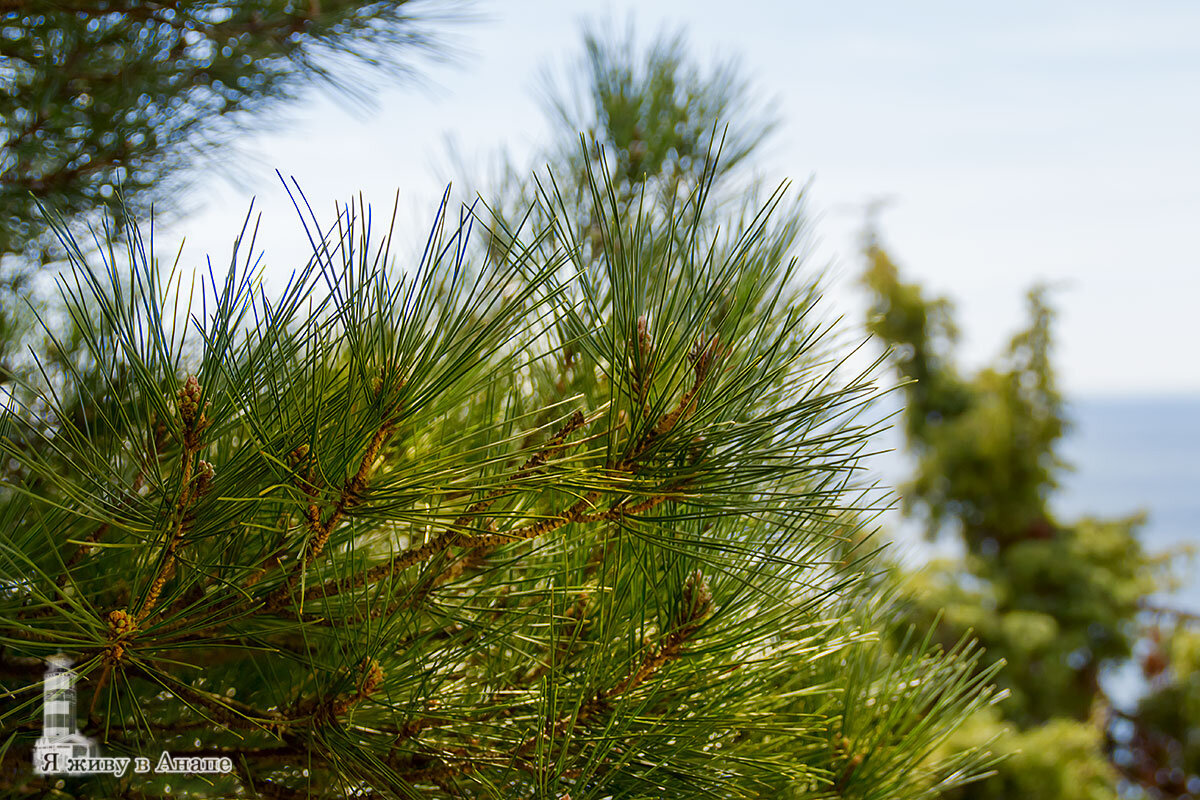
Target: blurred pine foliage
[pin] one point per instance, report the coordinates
(1060, 601)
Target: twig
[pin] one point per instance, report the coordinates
(1167, 611)
(458, 528)
(320, 530)
(195, 421)
(459, 533)
(697, 603)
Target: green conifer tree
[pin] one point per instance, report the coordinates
(357, 540)
(101, 95)
(569, 514)
(1058, 601)
(98, 96)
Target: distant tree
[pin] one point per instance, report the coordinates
(1058, 601)
(652, 121)
(101, 94)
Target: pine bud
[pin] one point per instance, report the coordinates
(204, 477)
(298, 457)
(159, 433)
(387, 384)
(704, 353)
(697, 597)
(120, 623)
(369, 676)
(189, 400)
(641, 376)
(387, 378)
(372, 676)
(644, 340)
(190, 412)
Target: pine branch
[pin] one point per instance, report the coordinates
(195, 422)
(320, 530)
(458, 530)
(697, 604)
(702, 358)
(546, 633)
(226, 711)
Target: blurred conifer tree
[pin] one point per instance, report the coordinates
(1058, 600)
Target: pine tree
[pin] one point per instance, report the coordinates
(569, 512)
(101, 96)
(1058, 601)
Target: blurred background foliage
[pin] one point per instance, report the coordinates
(1063, 603)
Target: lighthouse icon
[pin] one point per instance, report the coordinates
(60, 740)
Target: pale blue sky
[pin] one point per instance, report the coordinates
(1019, 141)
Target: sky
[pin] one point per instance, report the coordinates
(1014, 143)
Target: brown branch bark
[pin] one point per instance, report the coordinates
(320, 530)
(458, 530)
(670, 647)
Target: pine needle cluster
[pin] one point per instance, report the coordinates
(509, 524)
(101, 96)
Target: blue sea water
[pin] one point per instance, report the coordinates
(1129, 454)
(1140, 453)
